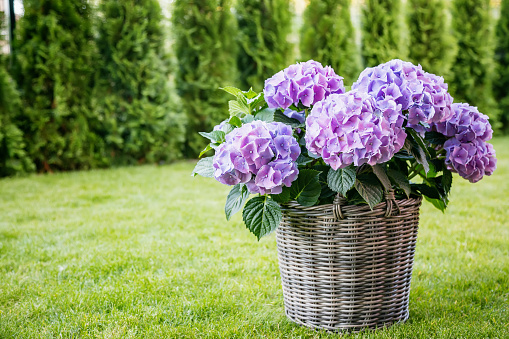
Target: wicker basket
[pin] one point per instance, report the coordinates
(347, 267)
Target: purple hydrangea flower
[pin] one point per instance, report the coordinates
(221, 126)
(261, 155)
(299, 116)
(308, 83)
(466, 124)
(423, 95)
(471, 160)
(354, 128)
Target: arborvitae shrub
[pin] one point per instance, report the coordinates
(429, 37)
(205, 47)
(382, 38)
(472, 69)
(501, 83)
(55, 65)
(328, 36)
(142, 121)
(264, 49)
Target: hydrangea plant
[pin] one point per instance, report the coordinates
(307, 139)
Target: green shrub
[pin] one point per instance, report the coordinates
(264, 49)
(472, 70)
(13, 156)
(206, 52)
(429, 35)
(501, 83)
(141, 119)
(327, 36)
(56, 59)
(382, 38)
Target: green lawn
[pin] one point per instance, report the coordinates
(146, 252)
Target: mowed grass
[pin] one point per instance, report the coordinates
(146, 252)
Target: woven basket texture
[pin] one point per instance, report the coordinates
(346, 268)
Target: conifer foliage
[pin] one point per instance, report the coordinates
(430, 40)
(263, 30)
(141, 120)
(501, 84)
(56, 57)
(206, 52)
(381, 32)
(328, 36)
(472, 70)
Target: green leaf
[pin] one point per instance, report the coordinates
(247, 119)
(400, 180)
(235, 121)
(413, 148)
(235, 200)
(237, 109)
(204, 168)
(208, 148)
(282, 197)
(342, 179)
(250, 94)
(280, 117)
(369, 188)
(435, 138)
(306, 189)
(214, 136)
(232, 90)
(418, 139)
(303, 160)
(439, 204)
(428, 191)
(382, 176)
(261, 216)
(446, 180)
(256, 102)
(266, 115)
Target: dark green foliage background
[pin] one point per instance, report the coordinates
(206, 52)
(501, 83)
(381, 32)
(328, 36)
(431, 42)
(472, 70)
(264, 49)
(56, 60)
(141, 118)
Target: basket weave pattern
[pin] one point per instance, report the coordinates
(347, 267)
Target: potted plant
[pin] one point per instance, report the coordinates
(340, 175)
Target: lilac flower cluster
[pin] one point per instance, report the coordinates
(308, 83)
(468, 152)
(354, 128)
(422, 94)
(261, 155)
(471, 160)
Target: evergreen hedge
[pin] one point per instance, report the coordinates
(472, 69)
(382, 38)
(430, 39)
(264, 49)
(501, 83)
(328, 36)
(56, 58)
(206, 52)
(141, 120)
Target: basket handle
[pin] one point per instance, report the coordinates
(336, 207)
(390, 200)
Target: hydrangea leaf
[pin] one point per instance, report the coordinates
(261, 216)
(341, 180)
(235, 121)
(306, 189)
(235, 200)
(438, 203)
(204, 168)
(413, 148)
(279, 116)
(214, 136)
(369, 188)
(400, 180)
(282, 197)
(266, 115)
(205, 150)
(435, 138)
(382, 176)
